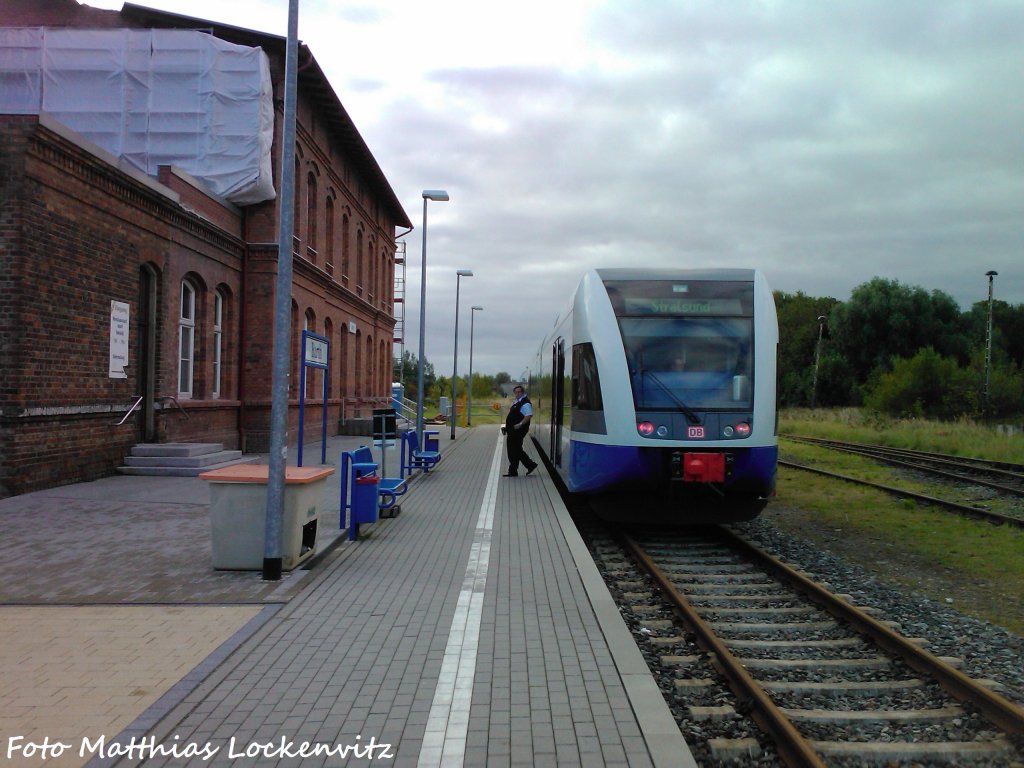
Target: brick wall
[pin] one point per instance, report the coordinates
(76, 232)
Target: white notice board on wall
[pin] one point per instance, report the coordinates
(119, 312)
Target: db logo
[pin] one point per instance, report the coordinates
(695, 433)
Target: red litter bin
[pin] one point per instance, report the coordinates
(364, 500)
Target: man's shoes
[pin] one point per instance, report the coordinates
(531, 469)
(512, 474)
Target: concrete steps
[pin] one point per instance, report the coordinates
(179, 459)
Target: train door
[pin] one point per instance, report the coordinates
(557, 400)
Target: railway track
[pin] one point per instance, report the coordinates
(957, 468)
(888, 456)
(827, 683)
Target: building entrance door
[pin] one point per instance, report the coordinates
(149, 282)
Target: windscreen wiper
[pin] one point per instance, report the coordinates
(683, 407)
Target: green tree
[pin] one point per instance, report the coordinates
(408, 374)
(1007, 329)
(798, 339)
(884, 320)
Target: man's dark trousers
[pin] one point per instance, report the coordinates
(514, 445)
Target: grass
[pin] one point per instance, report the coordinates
(965, 437)
(483, 412)
(975, 566)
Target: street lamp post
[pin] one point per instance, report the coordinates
(438, 195)
(988, 339)
(469, 383)
(817, 359)
(455, 358)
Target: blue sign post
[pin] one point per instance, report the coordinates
(315, 354)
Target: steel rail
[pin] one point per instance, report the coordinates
(1000, 711)
(886, 455)
(793, 748)
(982, 514)
(1007, 469)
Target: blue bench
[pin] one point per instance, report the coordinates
(360, 462)
(413, 457)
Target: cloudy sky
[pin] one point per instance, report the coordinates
(823, 143)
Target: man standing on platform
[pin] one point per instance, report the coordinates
(517, 424)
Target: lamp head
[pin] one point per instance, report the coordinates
(476, 308)
(465, 273)
(991, 273)
(438, 195)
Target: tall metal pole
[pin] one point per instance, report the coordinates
(455, 358)
(282, 310)
(455, 354)
(469, 382)
(817, 359)
(988, 340)
(441, 196)
(423, 320)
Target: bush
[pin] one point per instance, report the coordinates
(925, 385)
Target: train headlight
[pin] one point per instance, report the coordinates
(662, 431)
(728, 432)
(743, 429)
(645, 428)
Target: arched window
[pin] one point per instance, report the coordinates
(329, 235)
(368, 373)
(359, 262)
(343, 366)
(332, 356)
(297, 212)
(218, 342)
(309, 324)
(311, 218)
(296, 339)
(186, 338)
(372, 272)
(344, 246)
(359, 364)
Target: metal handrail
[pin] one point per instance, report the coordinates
(408, 409)
(131, 410)
(174, 400)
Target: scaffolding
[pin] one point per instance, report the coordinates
(398, 347)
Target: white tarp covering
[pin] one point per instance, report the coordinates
(152, 96)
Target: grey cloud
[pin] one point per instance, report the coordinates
(822, 143)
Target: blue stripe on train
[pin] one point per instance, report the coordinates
(599, 467)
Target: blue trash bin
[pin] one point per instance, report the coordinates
(430, 440)
(364, 499)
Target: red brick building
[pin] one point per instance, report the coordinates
(87, 242)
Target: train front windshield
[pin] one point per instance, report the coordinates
(689, 345)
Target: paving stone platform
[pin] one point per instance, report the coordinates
(470, 630)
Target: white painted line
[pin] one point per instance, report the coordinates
(444, 742)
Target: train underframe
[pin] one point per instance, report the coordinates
(689, 485)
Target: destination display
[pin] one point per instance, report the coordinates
(693, 298)
(642, 305)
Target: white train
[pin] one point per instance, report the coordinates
(657, 389)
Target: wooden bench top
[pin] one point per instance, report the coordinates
(258, 473)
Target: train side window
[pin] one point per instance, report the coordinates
(586, 386)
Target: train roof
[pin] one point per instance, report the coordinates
(626, 273)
